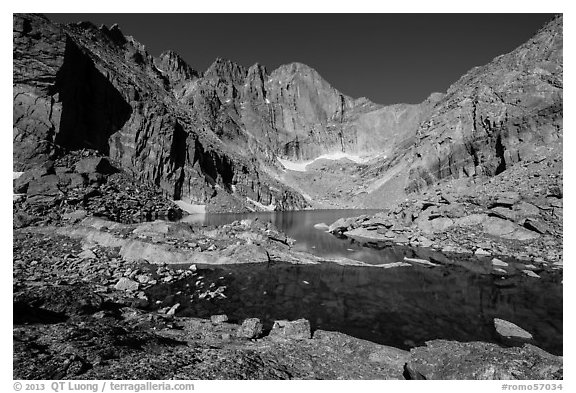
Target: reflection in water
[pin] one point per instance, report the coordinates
(401, 307)
(299, 225)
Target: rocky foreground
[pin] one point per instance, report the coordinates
(82, 310)
(86, 263)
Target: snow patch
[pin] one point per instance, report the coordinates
(267, 101)
(16, 175)
(300, 166)
(268, 208)
(190, 207)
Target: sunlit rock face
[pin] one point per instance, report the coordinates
(215, 137)
(494, 115)
(79, 86)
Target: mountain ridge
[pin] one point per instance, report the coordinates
(218, 135)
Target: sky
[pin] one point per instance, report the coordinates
(389, 58)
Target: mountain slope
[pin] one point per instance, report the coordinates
(495, 115)
(220, 137)
(81, 86)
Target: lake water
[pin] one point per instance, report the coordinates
(299, 225)
(402, 307)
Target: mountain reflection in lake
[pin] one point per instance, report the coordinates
(299, 225)
(401, 307)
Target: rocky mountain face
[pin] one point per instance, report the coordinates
(79, 86)
(495, 115)
(216, 137)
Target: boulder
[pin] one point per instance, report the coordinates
(219, 319)
(322, 226)
(418, 261)
(45, 185)
(126, 284)
(498, 262)
(293, 330)
(439, 224)
(95, 165)
(472, 219)
(536, 225)
(481, 253)
(365, 234)
(250, 328)
(87, 254)
(342, 225)
(507, 199)
(75, 216)
(393, 265)
(504, 213)
(525, 209)
(510, 333)
(449, 360)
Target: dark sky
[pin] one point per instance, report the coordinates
(389, 58)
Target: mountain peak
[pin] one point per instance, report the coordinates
(172, 63)
(225, 69)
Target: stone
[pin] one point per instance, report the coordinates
(481, 252)
(45, 185)
(498, 262)
(94, 165)
(498, 227)
(218, 319)
(511, 333)
(472, 219)
(393, 265)
(321, 226)
(530, 273)
(143, 278)
(173, 309)
(87, 254)
(126, 284)
(424, 242)
(525, 209)
(342, 225)
(507, 199)
(504, 213)
(419, 261)
(536, 226)
(250, 328)
(293, 330)
(435, 225)
(75, 216)
(449, 360)
(363, 234)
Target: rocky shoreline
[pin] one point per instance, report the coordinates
(81, 311)
(503, 219)
(86, 261)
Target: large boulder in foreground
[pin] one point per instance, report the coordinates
(293, 330)
(442, 359)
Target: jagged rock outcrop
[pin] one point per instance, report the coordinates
(215, 137)
(79, 86)
(495, 115)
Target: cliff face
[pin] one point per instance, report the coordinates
(82, 86)
(495, 115)
(215, 137)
